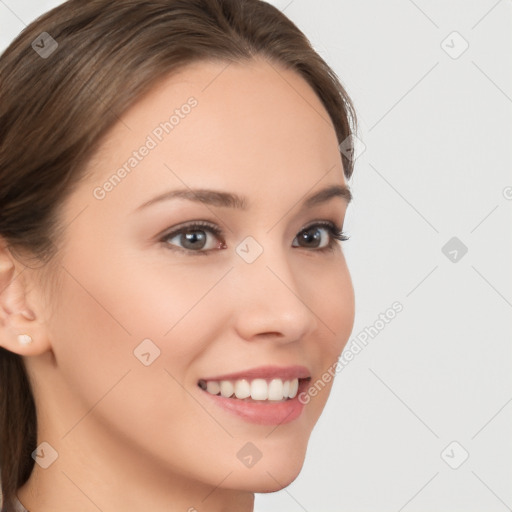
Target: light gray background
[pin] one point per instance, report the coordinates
(438, 132)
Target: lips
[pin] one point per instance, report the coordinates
(265, 395)
(266, 372)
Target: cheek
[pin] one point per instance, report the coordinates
(342, 310)
(131, 300)
(332, 301)
(91, 342)
(101, 317)
(106, 311)
(335, 308)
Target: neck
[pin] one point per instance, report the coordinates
(96, 468)
(91, 474)
(67, 488)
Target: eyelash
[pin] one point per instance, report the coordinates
(335, 232)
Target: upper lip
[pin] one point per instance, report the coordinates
(266, 372)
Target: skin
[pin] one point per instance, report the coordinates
(134, 437)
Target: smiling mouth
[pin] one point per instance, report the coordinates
(260, 390)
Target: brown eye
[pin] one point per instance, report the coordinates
(312, 237)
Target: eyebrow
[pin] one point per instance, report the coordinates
(231, 200)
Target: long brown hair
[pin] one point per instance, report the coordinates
(65, 80)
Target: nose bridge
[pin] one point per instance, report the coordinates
(270, 299)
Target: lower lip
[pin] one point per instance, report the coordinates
(262, 412)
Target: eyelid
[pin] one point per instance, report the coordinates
(175, 230)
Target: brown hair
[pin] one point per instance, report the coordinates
(55, 108)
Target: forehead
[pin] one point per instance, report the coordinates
(250, 125)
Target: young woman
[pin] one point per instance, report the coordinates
(172, 285)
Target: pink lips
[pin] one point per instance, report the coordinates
(264, 412)
(267, 372)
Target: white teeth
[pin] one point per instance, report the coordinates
(275, 389)
(257, 389)
(226, 388)
(242, 389)
(213, 387)
(286, 388)
(294, 387)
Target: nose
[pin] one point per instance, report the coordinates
(271, 300)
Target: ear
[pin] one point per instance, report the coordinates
(21, 331)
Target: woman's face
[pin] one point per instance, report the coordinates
(144, 317)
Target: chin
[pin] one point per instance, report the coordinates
(271, 475)
(274, 480)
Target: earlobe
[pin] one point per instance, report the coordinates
(20, 330)
(25, 339)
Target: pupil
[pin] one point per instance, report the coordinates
(194, 236)
(307, 236)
